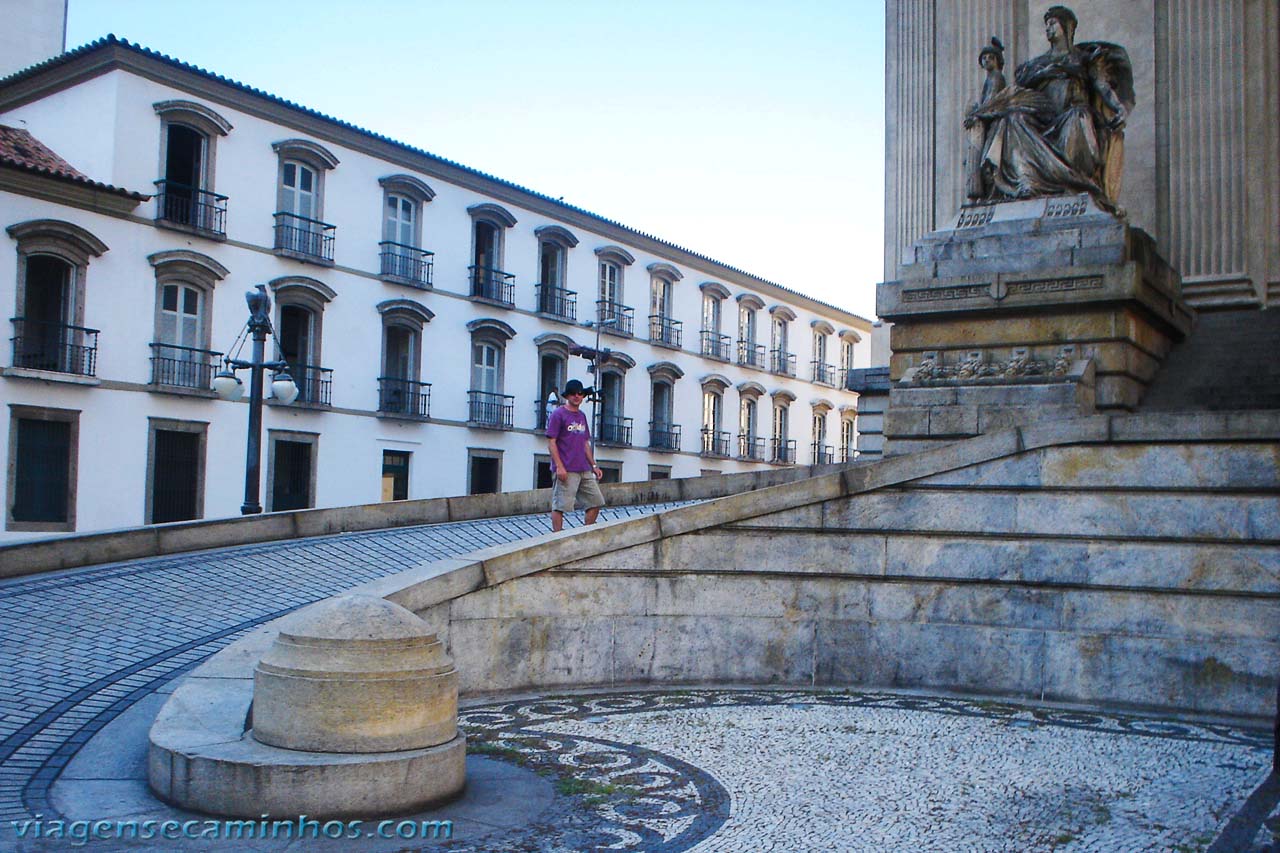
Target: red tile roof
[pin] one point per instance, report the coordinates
(20, 150)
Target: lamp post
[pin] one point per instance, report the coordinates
(596, 357)
(229, 387)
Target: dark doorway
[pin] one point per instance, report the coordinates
(175, 476)
(46, 342)
(183, 168)
(542, 474)
(291, 480)
(295, 337)
(485, 476)
(42, 466)
(395, 475)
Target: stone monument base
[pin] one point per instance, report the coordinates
(1022, 311)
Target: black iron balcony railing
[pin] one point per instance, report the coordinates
(407, 264)
(487, 409)
(57, 347)
(714, 442)
(300, 237)
(750, 447)
(493, 285)
(848, 454)
(556, 301)
(315, 384)
(666, 331)
(404, 397)
(782, 450)
(616, 430)
(783, 362)
(751, 355)
(624, 317)
(715, 345)
(191, 206)
(183, 367)
(664, 436)
(823, 454)
(823, 372)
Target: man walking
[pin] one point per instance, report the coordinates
(573, 461)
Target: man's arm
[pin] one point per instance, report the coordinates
(590, 448)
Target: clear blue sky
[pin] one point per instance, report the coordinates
(749, 131)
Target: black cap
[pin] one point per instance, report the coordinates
(573, 386)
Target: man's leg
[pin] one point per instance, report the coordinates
(557, 521)
(592, 514)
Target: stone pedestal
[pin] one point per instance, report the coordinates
(1022, 311)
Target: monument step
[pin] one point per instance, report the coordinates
(1227, 362)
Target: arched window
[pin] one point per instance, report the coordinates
(48, 326)
(400, 391)
(300, 233)
(189, 132)
(300, 303)
(715, 440)
(489, 282)
(714, 343)
(664, 432)
(750, 353)
(848, 433)
(553, 297)
(781, 359)
(822, 371)
(403, 259)
(613, 426)
(782, 447)
(664, 329)
(750, 442)
(610, 307)
(553, 366)
(821, 453)
(180, 354)
(487, 405)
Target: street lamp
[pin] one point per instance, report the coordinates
(597, 357)
(229, 387)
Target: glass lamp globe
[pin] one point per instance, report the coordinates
(228, 386)
(283, 388)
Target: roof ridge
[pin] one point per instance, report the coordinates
(112, 39)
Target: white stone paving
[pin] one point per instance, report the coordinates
(884, 779)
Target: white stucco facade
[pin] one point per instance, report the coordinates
(105, 110)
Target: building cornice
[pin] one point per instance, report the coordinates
(110, 54)
(85, 195)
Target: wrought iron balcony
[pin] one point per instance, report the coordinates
(615, 430)
(306, 239)
(823, 454)
(406, 264)
(782, 362)
(57, 347)
(493, 285)
(782, 451)
(315, 384)
(750, 447)
(751, 355)
(556, 301)
(183, 367)
(848, 454)
(404, 397)
(715, 345)
(664, 436)
(487, 409)
(714, 442)
(196, 208)
(823, 372)
(624, 316)
(665, 331)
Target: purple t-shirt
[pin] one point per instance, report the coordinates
(571, 433)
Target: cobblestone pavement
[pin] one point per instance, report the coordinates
(756, 770)
(79, 647)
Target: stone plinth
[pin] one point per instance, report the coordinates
(355, 674)
(1014, 296)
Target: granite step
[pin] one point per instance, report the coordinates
(1227, 362)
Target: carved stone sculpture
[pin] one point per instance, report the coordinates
(1060, 127)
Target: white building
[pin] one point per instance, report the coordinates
(427, 310)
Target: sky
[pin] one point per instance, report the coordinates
(748, 131)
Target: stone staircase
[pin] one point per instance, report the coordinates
(1230, 361)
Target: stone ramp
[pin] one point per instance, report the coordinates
(1229, 362)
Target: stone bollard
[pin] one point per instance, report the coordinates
(354, 674)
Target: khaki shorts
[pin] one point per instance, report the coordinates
(581, 485)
